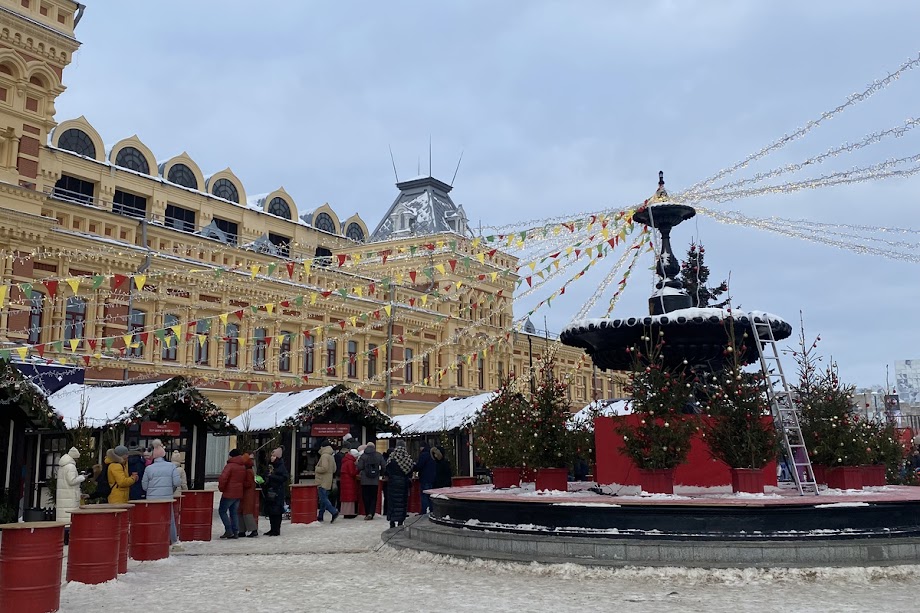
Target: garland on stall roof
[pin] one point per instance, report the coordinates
(342, 398)
(161, 406)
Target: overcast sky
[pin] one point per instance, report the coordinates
(559, 107)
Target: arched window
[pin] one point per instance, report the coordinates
(260, 349)
(284, 355)
(410, 367)
(75, 318)
(202, 332)
(170, 340)
(232, 346)
(355, 233)
(77, 141)
(279, 207)
(308, 356)
(36, 309)
(132, 159)
(224, 188)
(324, 222)
(180, 174)
(353, 359)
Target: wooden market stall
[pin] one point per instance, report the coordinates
(300, 421)
(25, 416)
(134, 414)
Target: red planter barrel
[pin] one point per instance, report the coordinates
(659, 481)
(462, 481)
(820, 471)
(748, 480)
(553, 479)
(503, 478)
(31, 556)
(304, 503)
(874, 475)
(150, 530)
(124, 531)
(92, 556)
(196, 515)
(415, 497)
(845, 478)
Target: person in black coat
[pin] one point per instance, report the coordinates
(442, 469)
(399, 471)
(137, 464)
(275, 490)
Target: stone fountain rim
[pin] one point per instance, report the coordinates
(679, 317)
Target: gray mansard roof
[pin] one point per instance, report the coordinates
(422, 207)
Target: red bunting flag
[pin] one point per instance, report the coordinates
(453, 265)
(285, 303)
(412, 302)
(412, 275)
(370, 288)
(117, 281)
(384, 254)
(92, 343)
(325, 294)
(239, 314)
(306, 335)
(145, 336)
(41, 350)
(341, 257)
(86, 360)
(530, 281)
(52, 287)
(290, 269)
(492, 253)
(342, 323)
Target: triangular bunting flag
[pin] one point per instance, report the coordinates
(73, 344)
(139, 281)
(74, 283)
(51, 286)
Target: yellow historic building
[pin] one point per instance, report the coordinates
(135, 266)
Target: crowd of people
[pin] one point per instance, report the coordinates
(345, 470)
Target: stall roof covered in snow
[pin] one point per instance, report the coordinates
(606, 408)
(403, 421)
(449, 415)
(271, 412)
(103, 404)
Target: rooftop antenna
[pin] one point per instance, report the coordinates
(419, 167)
(456, 170)
(393, 161)
(429, 155)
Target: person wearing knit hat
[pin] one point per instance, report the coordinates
(160, 481)
(67, 496)
(370, 467)
(119, 479)
(275, 490)
(176, 459)
(231, 484)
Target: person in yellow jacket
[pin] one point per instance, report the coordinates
(117, 469)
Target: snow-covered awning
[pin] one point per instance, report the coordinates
(274, 410)
(451, 414)
(102, 404)
(403, 421)
(604, 408)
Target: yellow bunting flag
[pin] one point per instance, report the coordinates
(139, 281)
(605, 233)
(223, 318)
(476, 242)
(177, 330)
(280, 339)
(270, 307)
(74, 283)
(440, 268)
(23, 352)
(532, 265)
(127, 339)
(481, 257)
(242, 341)
(313, 298)
(459, 283)
(3, 290)
(255, 270)
(202, 339)
(73, 344)
(424, 299)
(494, 275)
(399, 278)
(388, 309)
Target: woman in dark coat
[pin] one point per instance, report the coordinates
(399, 470)
(442, 470)
(276, 486)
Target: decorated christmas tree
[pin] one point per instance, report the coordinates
(661, 439)
(498, 428)
(549, 410)
(736, 403)
(694, 274)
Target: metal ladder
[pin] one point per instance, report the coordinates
(785, 413)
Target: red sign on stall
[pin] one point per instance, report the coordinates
(329, 429)
(152, 428)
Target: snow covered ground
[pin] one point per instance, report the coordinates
(346, 565)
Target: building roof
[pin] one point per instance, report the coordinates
(604, 408)
(422, 207)
(271, 412)
(103, 404)
(451, 414)
(403, 421)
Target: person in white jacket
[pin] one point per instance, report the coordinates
(67, 496)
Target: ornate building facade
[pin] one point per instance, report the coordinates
(135, 268)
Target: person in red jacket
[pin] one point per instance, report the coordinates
(348, 485)
(231, 486)
(249, 505)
